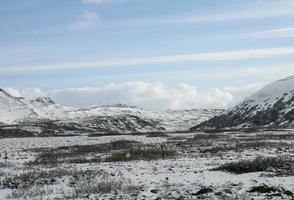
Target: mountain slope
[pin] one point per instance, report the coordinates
(272, 106)
(160, 120)
(169, 120)
(14, 109)
(46, 108)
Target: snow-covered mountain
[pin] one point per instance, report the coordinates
(272, 106)
(139, 119)
(14, 109)
(44, 115)
(169, 120)
(46, 108)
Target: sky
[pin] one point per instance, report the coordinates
(157, 54)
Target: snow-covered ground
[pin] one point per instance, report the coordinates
(186, 175)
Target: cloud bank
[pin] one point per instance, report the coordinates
(147, 95)
(274, 33)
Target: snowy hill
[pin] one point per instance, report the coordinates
(169, 120)
(119, 118)
(46, 108)
(272, 106)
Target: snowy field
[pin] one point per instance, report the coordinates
(231, 165)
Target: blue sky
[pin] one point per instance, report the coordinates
(206, 44)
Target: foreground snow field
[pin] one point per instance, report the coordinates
(164, 166)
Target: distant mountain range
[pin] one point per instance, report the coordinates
(43, 116)
(271, 107)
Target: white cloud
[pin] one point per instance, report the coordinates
(270, 9)
(274, 33)
(215, 56)
(147, 95)
(89, 20)
(230, 16)
(32, 93)
(244, 88)
(269, 72)
(241, 92)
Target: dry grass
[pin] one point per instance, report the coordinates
(83, 190)
(121, 150)
(157, 134)
(280, 165)
(274, 191)
(241, 146)
(32, 193)
(151, 153)
(40, 178)
(78, 153)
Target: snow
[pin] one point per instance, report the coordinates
(15, 147)
(177, 177)
(13, 109)
(170, 120)
(266, 97)
(274, 91)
